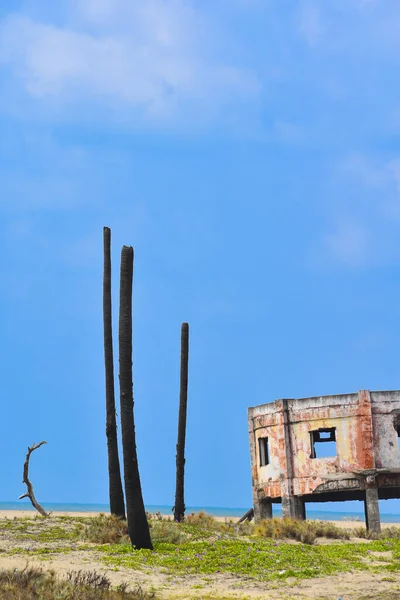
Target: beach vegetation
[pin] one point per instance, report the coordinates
(388, 532)
(106, 530)
(260, 559)
(306, 532)
(206, 549)
(32, 583)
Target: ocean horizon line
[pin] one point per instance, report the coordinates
(216, 511)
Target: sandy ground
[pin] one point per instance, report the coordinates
(20, 514)
(347, 586)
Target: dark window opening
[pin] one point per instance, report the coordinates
(323, 443)
(263, 451)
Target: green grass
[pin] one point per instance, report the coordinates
(39, 529)
(202, 546)
(261, 559)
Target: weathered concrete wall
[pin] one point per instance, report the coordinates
(365, 439)
(385, 412)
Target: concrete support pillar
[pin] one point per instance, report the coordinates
(300, 508)
(293, 507)
(286, 507)
(262, 510)
(371, 505)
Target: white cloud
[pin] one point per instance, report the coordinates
(394, 169)
(380, 179)
(365, 218)
(54, 179)
(310, 24)
(289, 133)
(365, 170)
(348, 244)
(351, 27)
(152, 58)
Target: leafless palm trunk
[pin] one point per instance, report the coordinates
(116, 494)
(179, 508)
(138, 526)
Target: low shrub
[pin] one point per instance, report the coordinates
(168, 532)
(33, 584)
(360, 532)
(156, 516)
(302, 531)
(329, 530)
(203, 520)
(391, 532)
(106, 529)
(388, 532)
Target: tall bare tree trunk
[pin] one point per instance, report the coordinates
(138, 527)
(179, 508)
(116, 494)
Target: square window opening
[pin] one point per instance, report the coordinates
(323, 443)
(263, 451)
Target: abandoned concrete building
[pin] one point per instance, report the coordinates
(290, 466)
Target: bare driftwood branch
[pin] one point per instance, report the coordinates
(247, 516)
(30, 494)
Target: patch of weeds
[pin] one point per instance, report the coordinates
(32, 583)
(203, 521)
(50, 529)
(392, 595)
(106, 529)
(39, 551)
(196, 526)
(57, 533)
(388, 532)
(168, 532)
(305, 532)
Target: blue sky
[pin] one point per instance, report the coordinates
(249, 151)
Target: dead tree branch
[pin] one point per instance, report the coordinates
(25, 479)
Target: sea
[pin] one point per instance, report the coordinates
(215, 511)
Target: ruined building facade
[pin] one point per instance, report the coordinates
(289, 464)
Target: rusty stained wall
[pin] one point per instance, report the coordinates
(385, 407)
(365, 439)
(267, 421)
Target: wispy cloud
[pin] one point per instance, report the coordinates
(354, 26)
(364, 222)
(54, 178)
(348, 244)
(394, 168)
(365, 170)
(310, 23)
(378, 179)
(154, 59)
